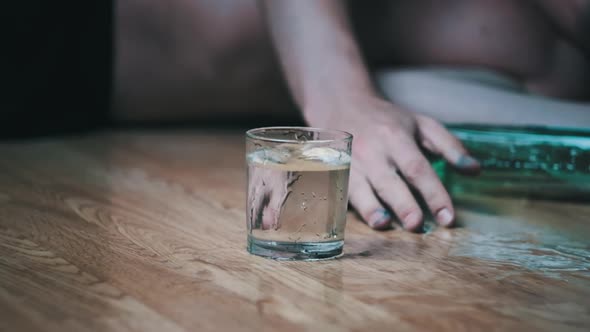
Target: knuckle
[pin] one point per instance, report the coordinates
(414, 169)
(385, 181)
(364, 211)
(359, 199)
(381, 188)
(405, 211)
(457, 144)
(384, 131)
(428, 124)
(397, 134)
(380, 128)
(450, 138)
(426, 121)
(437, 199)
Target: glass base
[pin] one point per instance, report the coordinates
(295, 251)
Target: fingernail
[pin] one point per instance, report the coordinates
(412, 220)
(379, 219)
(466, 161)
(444, 217)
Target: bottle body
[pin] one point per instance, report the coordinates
(547, 163)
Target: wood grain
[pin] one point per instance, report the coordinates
(145, 231)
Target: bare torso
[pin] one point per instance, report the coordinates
(512, 37)
(185, 57)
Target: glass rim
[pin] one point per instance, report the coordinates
(252, 134)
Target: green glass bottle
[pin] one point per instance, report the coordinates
(537, 162)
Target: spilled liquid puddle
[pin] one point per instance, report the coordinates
(551, 255)
(552, 238)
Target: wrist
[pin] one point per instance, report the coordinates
(330, 104)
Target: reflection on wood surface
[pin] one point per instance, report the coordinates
(145, 231)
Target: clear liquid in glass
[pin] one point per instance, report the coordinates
(297, 202)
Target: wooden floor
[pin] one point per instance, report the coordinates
(145, 231)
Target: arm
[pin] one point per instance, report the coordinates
(317, 50)
(330, 82)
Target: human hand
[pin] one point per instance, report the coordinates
(388, 161)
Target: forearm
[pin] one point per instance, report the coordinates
(317, 50)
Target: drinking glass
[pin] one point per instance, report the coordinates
(297, 192)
